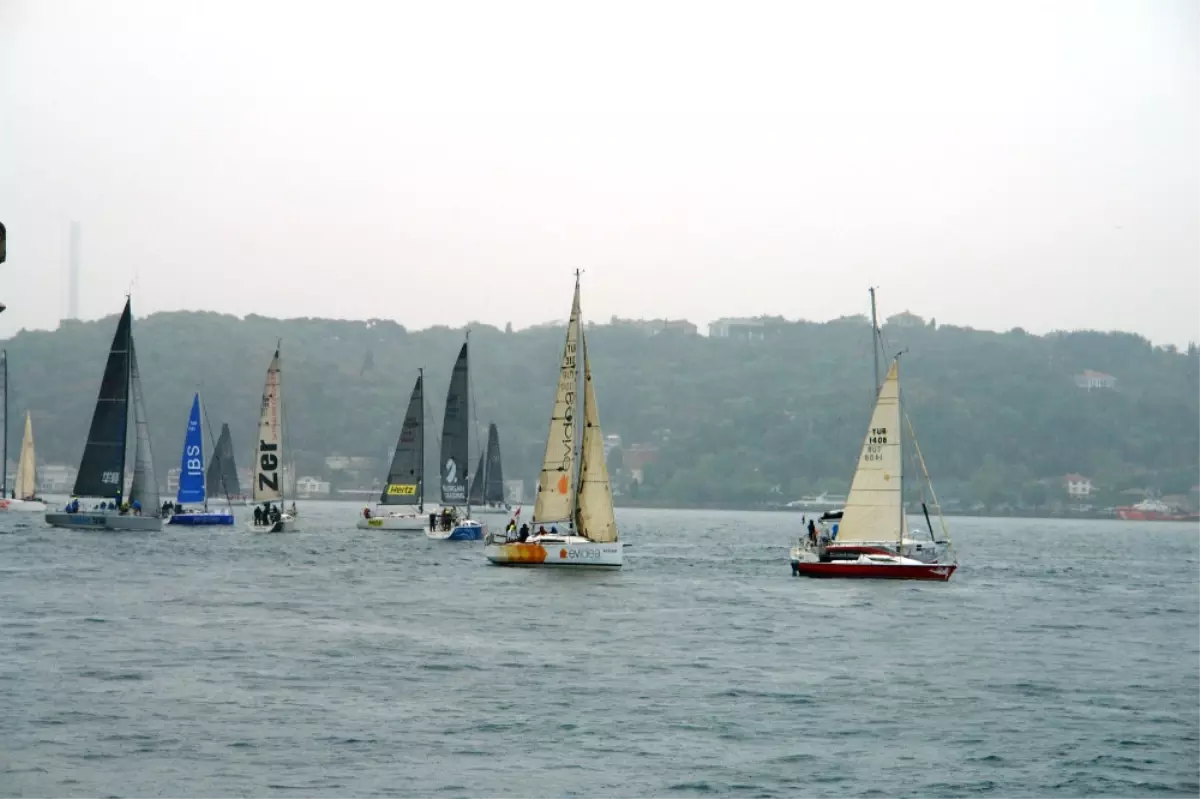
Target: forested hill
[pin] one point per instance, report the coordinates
(732, 420)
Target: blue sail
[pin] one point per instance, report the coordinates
(191, 468)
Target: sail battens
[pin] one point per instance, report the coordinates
(455, 442)
(555, 493)
(405, 477)
(874, 506)
(191, 466)
(102, 467)
(268, 450)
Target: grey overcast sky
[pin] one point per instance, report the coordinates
(991, 164)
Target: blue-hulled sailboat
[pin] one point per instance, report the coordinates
(192, 483)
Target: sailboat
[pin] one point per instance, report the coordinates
(455, 429)
(222, 469)
(101, 476)
(871, 537)
(192, 479)
(487, 487)
(582, 504)
(23, 494)
(268, 457)
(404, 490)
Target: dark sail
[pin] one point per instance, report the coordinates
(102, 470)
(493, 488)
(405, 477)
(477, 483)
(222, 479)
(453, 463)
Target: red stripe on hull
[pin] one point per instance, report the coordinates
(882, 571)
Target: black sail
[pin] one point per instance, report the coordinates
(453, 463)
(406, 475)
(477, 483)
(493, 488)
(222, 479)
(102, 470)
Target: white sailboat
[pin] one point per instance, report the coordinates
(871, 538)
(268, 459)
(402, 503)
(573, 521)
(102, 469)
(23, 497)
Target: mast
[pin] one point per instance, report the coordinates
(900, 442)
(577, 466)
(467, 389)
(128, 409)
(4, 432)
(874, 341)
(421, 444)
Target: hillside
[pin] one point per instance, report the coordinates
(723, 420)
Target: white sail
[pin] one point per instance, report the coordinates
(554, 490)
(144, 488)
(269, 448)
(26, 487)
(873, 510)
(595, 509)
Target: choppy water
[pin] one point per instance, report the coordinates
(1062, 660)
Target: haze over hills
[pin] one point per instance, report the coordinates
(765, 415)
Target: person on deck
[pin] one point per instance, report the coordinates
(367, 512)
(258, 515)
(812, 531)
(523, 536)
(137, 507)
(433, 522)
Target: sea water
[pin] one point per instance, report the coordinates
(1062, 659)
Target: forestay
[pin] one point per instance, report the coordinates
(554, 491)
(268, 451)
(873, 510)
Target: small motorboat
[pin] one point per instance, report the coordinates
(864, 562)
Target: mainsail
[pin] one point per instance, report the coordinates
(554, 494)
(222, 470)
(493, 486)
(454, 435)
(144, 489)
(874, 506)
(594, 511)
(477, 481)
(102, 469)
(405, 478)
(191, 467)
(269, 449)
(4, 426)
(26, 487)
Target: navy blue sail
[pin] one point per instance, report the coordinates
(454, 435)
(102, 469)
(191, 467)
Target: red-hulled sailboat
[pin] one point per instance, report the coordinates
(872, 539)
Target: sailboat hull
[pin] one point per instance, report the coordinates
(22, 506)
(401, 522)
(468, 530)
(96, 520)
(286, 524)
(923, 571)
(201, 519)
(569, 552)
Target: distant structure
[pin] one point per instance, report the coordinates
(73, 273)
(1095, 380)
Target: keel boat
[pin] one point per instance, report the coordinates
(22, 496)
(268, 487)
(192, 480)
(455, 445)
(582, 506)
(487, 485)
(401, 506)
(97, 502)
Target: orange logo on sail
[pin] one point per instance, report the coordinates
(562, 553)
(563, 484)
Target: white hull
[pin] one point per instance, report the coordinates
(100, 520)
(286, 524)
(22, 506)
(925, 551)
(404, 522)
(463, 530)
(555, 550)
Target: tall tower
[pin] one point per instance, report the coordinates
(73, 274)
